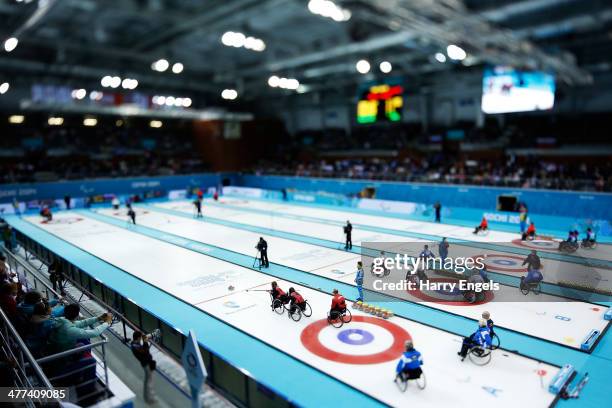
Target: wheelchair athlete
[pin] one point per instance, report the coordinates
(590, 239)
(571, 243)
(338, 305)
(480, 338)
(278, 293)
(409, 365)
(296, 300)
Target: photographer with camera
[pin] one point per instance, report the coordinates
(348, 230)
(262, 247)
(141, 349)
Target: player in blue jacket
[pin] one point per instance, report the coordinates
(480, 338)
(359, 281)
(409, 364)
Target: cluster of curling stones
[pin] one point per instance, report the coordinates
(373, 310)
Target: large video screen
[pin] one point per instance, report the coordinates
(505, 89)
(380, 102)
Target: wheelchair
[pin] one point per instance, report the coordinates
(279, 307)
(525, 288)
(568, 247)
(338, 319)
(495, 342)
(482, 232)
(401, 380)
(471, 296)
(588, 244)
(479, 355)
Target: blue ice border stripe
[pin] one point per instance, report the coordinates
(514, 342)
(225, 341)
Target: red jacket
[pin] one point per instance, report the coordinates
(484, 223)
(338, 302)
(297, 298)
(531, 229)
(277, 292)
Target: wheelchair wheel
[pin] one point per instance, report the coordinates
(278, 307)
(536, 289)
(347, 317)
(296, 315)
(421, 382)
(524, 289)
(479, 356)
(307, 310)
(335, 320)
(402, 384)
(495, 342)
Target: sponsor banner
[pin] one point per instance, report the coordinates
(243, 192)
(399, 207)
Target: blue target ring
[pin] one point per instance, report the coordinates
(504, 262)
(355, 337)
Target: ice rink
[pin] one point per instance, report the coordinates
(361, 354)
(544, 316)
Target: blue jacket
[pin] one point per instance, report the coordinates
(533, 275)
(409, 360)
(359, 277)
(482, 337)
(27, 309)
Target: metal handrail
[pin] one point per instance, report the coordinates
(61, 354)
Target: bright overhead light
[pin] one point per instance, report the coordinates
(156, 124)
(455, 52)
(55, 121)
(95, 95)
(10, 44)
(4, 88)
(186, 102)
(441, 58)
(385, 67)
(362, 66)
(329, 9)
(160, 65)
(230, 94)
(274, 81)
(129, 83)
(161, 100)
(115, 82)
(90, 122)
(178, 102)
(234, 39)
(293, 84)
(106, 81)
(79, 94)
(228, 38)
(283, 83)
(239, 40)
(170, 100)
(177, 68)
(16, 119)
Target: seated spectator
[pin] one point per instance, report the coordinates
(5, 274)
(8, 300)
(39, 329)
(67, 330)
(33, 297)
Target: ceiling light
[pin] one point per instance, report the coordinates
(55, 121)
(170, 100)
(177, 68)
(95, 95)
(156, 124)
(228, 38)
(16, 119)
(106, 81)
(79, 94)
(385, 67)
(10, 44)
(178, 102)
(363, 66)
(160, 65)
(4, 88)
(115, 82)
(273, 81)
(129, 83)
(440, 57)
(90, 122)
(455, 52)
(230, 94)
(161, 100)
(186, 102)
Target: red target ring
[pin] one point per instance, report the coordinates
(63, 220)
(310, 340)
(543, 244)
(460, 302)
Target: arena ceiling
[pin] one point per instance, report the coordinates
(80, 41)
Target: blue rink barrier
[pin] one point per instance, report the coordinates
(561, 379)
(590, 340)
(608, 314)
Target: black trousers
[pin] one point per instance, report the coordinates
(264, 259)
(349, 242)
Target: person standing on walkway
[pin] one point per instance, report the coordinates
(359, 281)
(348, 231)
(141, 349)
(438, 210)
(443, 249)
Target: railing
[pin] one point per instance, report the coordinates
(93, 385)
(26, 372)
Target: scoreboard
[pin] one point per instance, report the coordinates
(380, 103)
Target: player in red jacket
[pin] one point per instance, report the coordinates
(530, 233)
(484, 225)
(296, 301)
(278, 293)
(338, 305)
